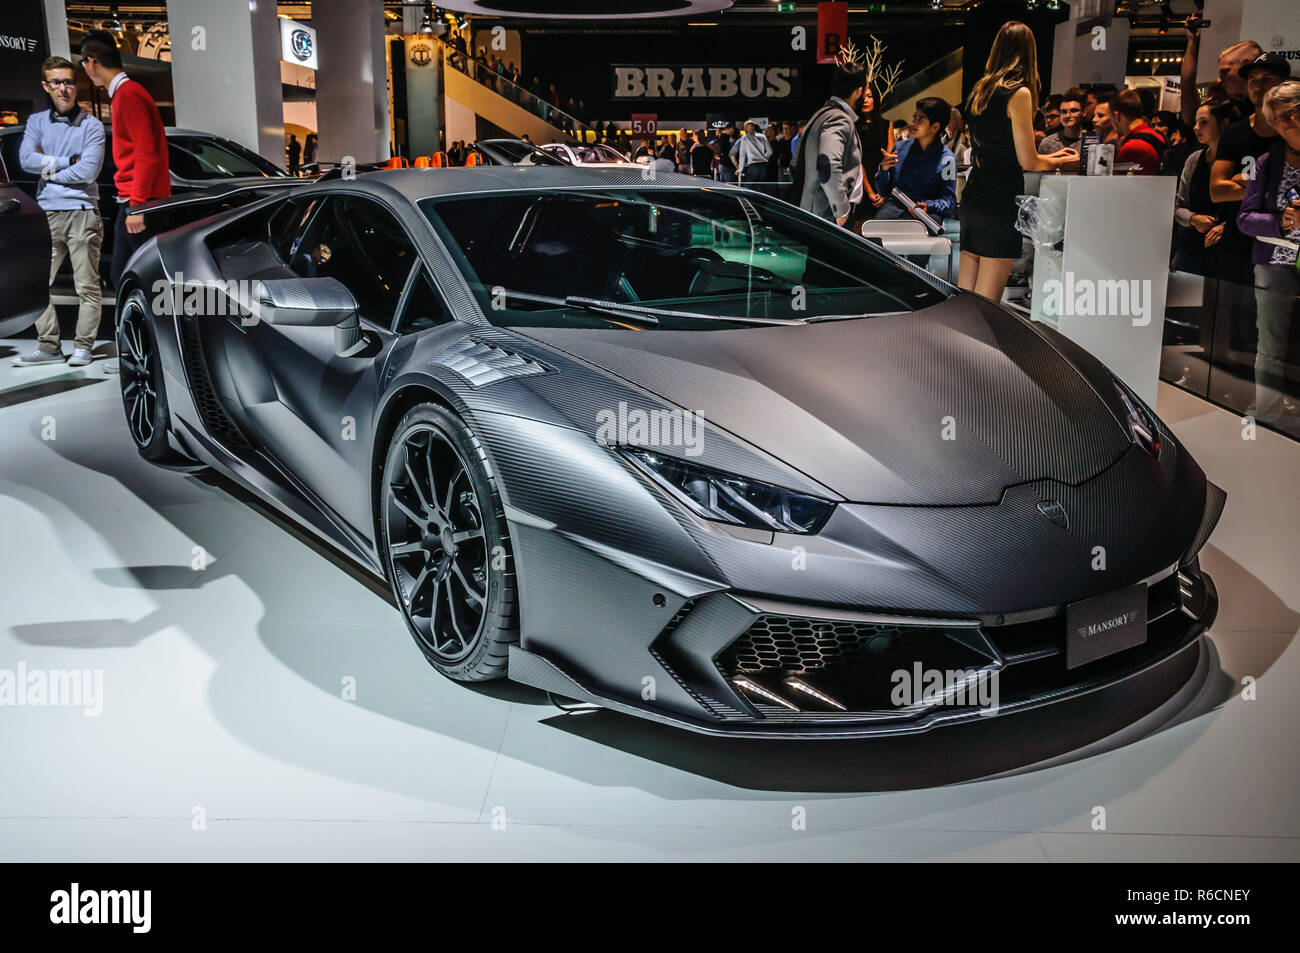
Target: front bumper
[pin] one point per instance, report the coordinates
(745, 690)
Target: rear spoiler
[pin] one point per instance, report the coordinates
(191, 206)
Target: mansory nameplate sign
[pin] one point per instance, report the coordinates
(1105, 624)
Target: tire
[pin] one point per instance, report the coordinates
(144, 399)
(446, 546)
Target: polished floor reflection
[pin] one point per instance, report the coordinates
(271, 704)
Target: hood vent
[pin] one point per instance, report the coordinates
(481, 363)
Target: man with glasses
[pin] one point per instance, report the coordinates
(65, 147)
(1070, 132)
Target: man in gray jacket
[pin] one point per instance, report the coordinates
(828, 168)
(65, 147)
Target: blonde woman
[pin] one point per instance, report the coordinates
(1000, 115)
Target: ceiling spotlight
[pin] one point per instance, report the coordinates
(426, 24)
(440, 27)
(936, 4)
(114, 21)
(462, 22)
(1031, 4)
(1054, 5)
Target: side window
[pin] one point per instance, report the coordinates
(424, 307)
(284, 231)
(361, 244)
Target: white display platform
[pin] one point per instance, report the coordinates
(1105, 289)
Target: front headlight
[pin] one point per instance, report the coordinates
(1141, 423)
(716, 495)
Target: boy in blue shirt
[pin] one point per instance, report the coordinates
(921, 166)
(65, 147)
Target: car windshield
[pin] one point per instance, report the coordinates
(598, 153)
(204, 157)
(685, 257)
(516, 152)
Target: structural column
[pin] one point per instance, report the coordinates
(56, 28)
(226, 71)
(351, 81)
(1091, 47)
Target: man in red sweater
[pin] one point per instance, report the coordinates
(139, 145)
(1138, 142)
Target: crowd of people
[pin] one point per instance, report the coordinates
(1235, 147)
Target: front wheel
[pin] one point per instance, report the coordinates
(143, 397)
(446, 546)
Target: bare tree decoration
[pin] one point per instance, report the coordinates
(883, 78)
(849, 57)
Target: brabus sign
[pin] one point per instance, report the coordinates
(706, 82)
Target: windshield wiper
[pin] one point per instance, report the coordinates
(818, 318)
(639, 312)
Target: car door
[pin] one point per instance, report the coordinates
(24, 256)
(311, 408)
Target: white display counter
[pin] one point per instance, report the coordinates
(1104, 285)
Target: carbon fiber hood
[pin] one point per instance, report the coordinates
(947, 406)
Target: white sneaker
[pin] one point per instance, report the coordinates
(80, 357)
(37, 358)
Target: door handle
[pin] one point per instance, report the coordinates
(9, 206)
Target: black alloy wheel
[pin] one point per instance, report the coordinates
(143, 398)
(445, 545)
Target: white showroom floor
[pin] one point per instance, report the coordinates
(223, 701)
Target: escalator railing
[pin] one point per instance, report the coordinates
(503, 86)
(923, 79)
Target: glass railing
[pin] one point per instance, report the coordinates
(1235, 345)
(502, 85)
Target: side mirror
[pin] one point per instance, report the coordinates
(313, 303)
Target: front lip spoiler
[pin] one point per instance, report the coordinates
(532, 669)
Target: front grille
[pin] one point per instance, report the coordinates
(793, 644)
(837, 668)
(214, 416)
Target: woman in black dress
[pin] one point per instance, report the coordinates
(877, 137)
(1201, 218)
(1000, 114)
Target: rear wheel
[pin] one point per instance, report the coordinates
(143, 397)
(446, 545)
